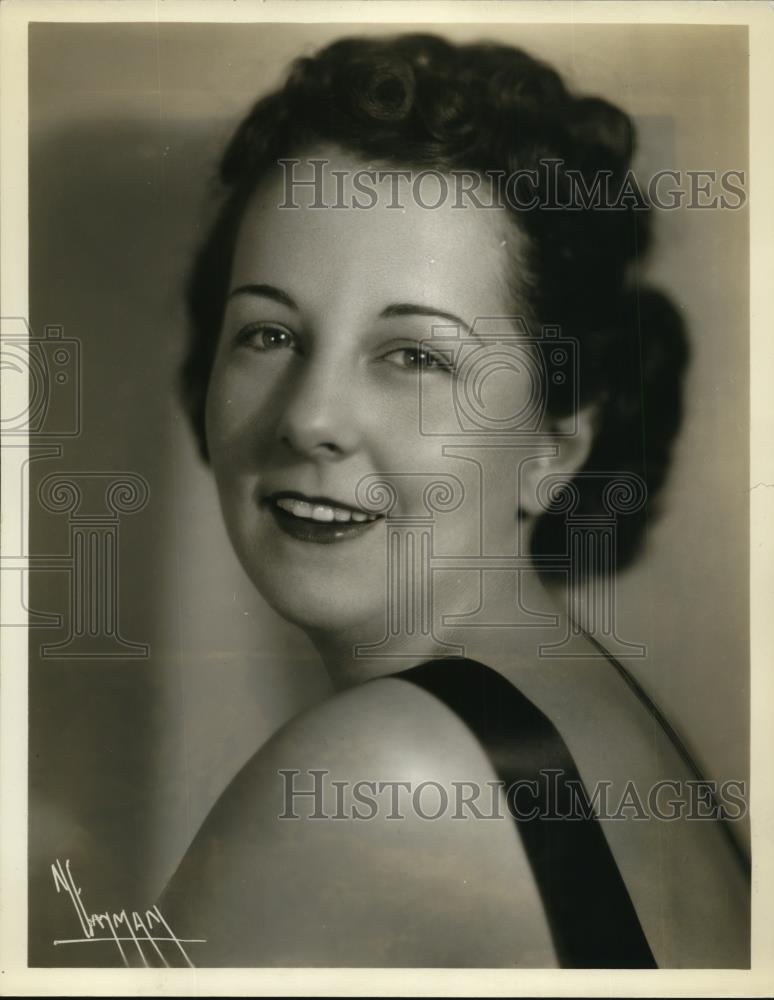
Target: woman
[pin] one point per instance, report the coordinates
(408, 396)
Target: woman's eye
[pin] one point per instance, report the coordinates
(266, 337)
(418, 359)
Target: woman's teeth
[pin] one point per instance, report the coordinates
(322, 512)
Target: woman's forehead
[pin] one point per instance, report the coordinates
(331, 236)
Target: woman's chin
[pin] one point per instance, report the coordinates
(327, 609)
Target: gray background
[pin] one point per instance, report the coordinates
(126, 122)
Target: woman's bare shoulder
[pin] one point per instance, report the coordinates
(363, 833)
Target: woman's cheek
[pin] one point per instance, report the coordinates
(230, 416)
(218, 421)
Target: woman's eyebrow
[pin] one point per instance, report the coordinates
(267, 291)
(410, 309)
(396, 309)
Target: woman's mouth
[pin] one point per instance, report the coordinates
(318, 519)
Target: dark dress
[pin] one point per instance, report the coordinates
(590, 914)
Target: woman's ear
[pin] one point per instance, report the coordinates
(570, 440)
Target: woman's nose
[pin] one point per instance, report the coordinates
(318, 417)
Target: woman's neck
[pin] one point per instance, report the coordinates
(484, 618)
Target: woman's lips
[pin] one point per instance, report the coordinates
(314, 520)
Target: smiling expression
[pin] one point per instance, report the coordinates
(317, 379)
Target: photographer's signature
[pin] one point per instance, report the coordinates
(128, 931)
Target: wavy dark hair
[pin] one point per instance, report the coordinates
(417, 100)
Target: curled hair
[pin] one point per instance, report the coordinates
(418, 100)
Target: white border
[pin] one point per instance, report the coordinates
(15, 978)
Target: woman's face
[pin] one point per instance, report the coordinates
(320, 381)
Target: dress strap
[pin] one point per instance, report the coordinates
(589, 911)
